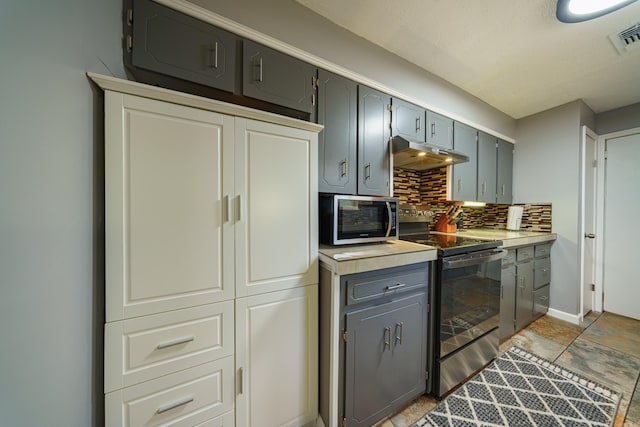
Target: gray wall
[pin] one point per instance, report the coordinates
(547, 165)
(50, 220)
(619, 119)
(297, 26)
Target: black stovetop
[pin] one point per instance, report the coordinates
(450, 244)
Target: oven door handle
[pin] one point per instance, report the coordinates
(469, 260)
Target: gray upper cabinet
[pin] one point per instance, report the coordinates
(487, 159)
(337, 112)
(504, 186)
(407, 120)
(275, 77)
(374, 167)
(439, 130)
(165, 41)
(465, 175)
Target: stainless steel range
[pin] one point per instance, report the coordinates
(466, 303)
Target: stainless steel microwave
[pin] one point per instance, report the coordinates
(357, 219)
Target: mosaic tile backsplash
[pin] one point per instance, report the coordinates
(427, 190)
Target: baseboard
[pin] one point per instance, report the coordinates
(576, 319)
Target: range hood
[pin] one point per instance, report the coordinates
(421, 156)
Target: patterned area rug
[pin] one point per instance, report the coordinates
(521, 389)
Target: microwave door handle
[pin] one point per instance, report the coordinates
(388, 219)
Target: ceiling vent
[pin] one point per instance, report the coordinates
(627, 40)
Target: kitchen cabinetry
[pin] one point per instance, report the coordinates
(337, 112)
(487, 168)
(407, 120)
(374, 156)
(525, 287)
(277, 358)
(504, 185)
(439, 130)
(382, 342)
(541, 279)
(464, 176)
(165, 41)
(190, 222)
(275, 77)
(508, 295)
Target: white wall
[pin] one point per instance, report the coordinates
(546, 169)
(619, 119)
(52, 295)
(293, 24)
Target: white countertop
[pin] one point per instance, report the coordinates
(509, 238)
(350, 259)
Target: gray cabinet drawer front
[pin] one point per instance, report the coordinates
(540, 301)
(542, 272)
(543, 251)
(524, 254)
(510, 258)
(367, 286)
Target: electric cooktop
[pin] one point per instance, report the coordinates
(449, 244)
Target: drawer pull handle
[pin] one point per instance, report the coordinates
(387, 339)
(174, 342)
(394, 287)
(399, 337)
(173, 405)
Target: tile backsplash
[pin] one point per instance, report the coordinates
(428, 190)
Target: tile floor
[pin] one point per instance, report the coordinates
(605, 348)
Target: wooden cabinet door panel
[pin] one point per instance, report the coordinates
(278, 78)
(276, 207)
(385, 358)
(172, 43)
(408, 120)
(487, 159)
(465, 175)
(504, 186)
(167, 244)
(374, 157)
(439, 130)
(337, 112)
(277, 358)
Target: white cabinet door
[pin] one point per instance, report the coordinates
(276, 207)
(277, 358)
(169, 243)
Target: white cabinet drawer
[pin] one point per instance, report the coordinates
(144, 348)
(225, 420)
(184, 398)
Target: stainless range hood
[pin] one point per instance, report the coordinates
(421, 156)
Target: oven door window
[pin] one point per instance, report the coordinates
(469, 304)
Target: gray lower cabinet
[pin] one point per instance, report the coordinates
(504, 185)
(337, 112)
(439, 130)
(385, 361)
(272, 76)
(374, 157)
(165, 41)
(407, 120)
(526, 273)
(384, 319)
(487, 168)
(465, 175)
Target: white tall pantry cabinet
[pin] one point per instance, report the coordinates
(211, 262)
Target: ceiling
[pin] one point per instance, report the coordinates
(513, 54)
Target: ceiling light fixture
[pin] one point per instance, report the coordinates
(571, 11)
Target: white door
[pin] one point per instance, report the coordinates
(276, 170)
(622, 202)
(277, 358)
(588, 229)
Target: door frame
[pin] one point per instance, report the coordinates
(599, 206)
(600, 212)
